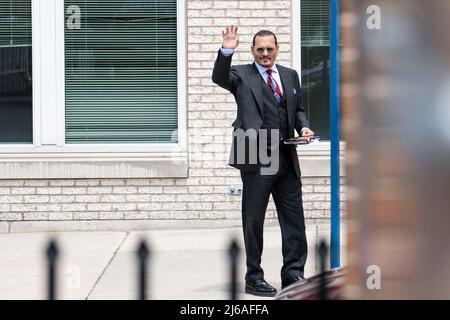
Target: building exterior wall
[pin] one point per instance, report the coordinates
(204, 196)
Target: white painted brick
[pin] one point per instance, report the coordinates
(200, 22)
(261, 14)
(200, 38)
(278, 4)
(212, 13)
(261, 22)
(99, 190)
(201, 172)
(74, 207)
(87, 182)
(150, 206)
(113, 182)
(321, 205)
(136, 215)
(251, 4)
(188, 182)
(225, 4)
(199, 4)
(211, 215)
(11, 183)
(5, 207)
(188, 198)
(32, 216)
(162, 182)
(10, 216)
(85, 215)
(60, 216)
(150, 190)
(138, 182)
(200, 56)
(36, 199)
(124, 206)
(49, 190)
(185, 215)
(213, 181)
(99, 206)
(224, 22)
(193, 14)
(111, 215)
(23, 207)
(138, 198)
(213, 197)
(125, 190)
(233, 181)
(86, 198)
(36, 183)
(61, 199)
(176, 189)
(159, 215)
(314, 197)
(200, 189)
(163, 198)
(48, 207)
(75, 190)
(283, 13)
(62, 183)
(5, 190)
(199, 206)
(23, 190)
(227, 206)
(113, 198)
(214, 165)
(238, 14)
(324, 189)
(174, 206)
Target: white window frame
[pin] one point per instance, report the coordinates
(48, 52)
(314, 158)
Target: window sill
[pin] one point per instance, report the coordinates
(87, 166)
(315, 159)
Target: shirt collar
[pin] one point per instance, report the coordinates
(262, 69)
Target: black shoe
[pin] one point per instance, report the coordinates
(260, 288)
(287, 282)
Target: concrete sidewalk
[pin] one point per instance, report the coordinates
(185, 264)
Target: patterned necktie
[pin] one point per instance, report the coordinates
(273, 85)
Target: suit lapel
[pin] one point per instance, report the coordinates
(288, 91)
(255, 86)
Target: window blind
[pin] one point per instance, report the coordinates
(15, 23)
(315, 22)
(121, 71)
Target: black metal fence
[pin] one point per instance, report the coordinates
(143, 255)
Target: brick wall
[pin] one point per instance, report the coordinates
(211, 110)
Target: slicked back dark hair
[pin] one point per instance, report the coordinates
(265, 33)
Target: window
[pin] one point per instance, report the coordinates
(16, 116)
(121, 71)
(315, 63)
(111, 97)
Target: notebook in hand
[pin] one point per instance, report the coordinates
(302, 140)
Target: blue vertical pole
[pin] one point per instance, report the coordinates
(334, 134)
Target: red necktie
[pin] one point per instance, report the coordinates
(273, 85)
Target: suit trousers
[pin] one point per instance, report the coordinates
(285, 188)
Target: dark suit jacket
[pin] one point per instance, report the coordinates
(244, 82)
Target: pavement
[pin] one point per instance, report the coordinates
(186, 264)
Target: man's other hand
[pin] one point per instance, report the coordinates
(306, 132)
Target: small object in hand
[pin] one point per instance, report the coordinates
(302, 140)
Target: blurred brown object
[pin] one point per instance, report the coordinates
(395, 101)
(309, 289)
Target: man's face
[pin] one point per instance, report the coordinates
(265, 51)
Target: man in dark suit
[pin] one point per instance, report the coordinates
(269, 108)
